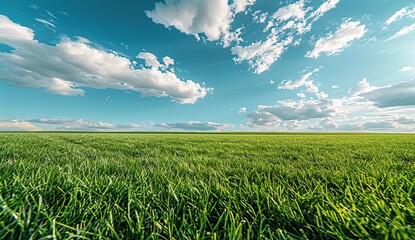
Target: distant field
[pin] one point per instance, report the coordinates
(202, 186)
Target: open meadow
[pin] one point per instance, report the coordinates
(206, 186)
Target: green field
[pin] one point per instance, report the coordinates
(203, 186)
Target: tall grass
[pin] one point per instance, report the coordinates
(154, 186)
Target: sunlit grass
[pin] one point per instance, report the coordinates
(139, 186)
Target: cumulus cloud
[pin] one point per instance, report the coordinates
(194, 17)
(362, 87)
(83, 125)
(405, 30)
(149, 59)
(406, 69)
(193, 126)
(293, 110)
(259, 16)
(334, 43)
(395, 95)
(403, 12)
(68, 66)
(17, 125)
(168, 61)
(302, 82)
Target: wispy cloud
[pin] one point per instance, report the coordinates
(406, 69)
(401, 13)
(80, 124)
(48, 24)
(193, 126)
(405, 30)
(336, 42)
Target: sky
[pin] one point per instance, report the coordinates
(198, 65)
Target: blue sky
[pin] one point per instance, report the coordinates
(194, 65)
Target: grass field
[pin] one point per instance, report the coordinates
(203, 186)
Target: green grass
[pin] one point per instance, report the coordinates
(203, 186)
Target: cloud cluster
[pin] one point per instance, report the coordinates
(193, 126)
(72, 64)
(83, 125)
(214, 20)
(17, 125)
(293, 110)
(367, 108)
(285, 27)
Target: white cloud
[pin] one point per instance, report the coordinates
(295, 11)
(193, 126)
(406, 69)
(334, 87)
(324, 8)
(242, 110)
(335, 42)
(293, 110)
(302, 82)
(362, 87)
(322, 95)
(241, 5)
(51, 14)
(17, 125)
(68, 66)
(406, 11)
(259, 17)
(286, 27)
(301, 95)
(149, 59)
(48, 24)
(368, 108)
(328, 123)
(395, 95)
(405, 30)
(12, 33)
(213, 18)
(168, 61)
(261, 55)
(83, 125)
